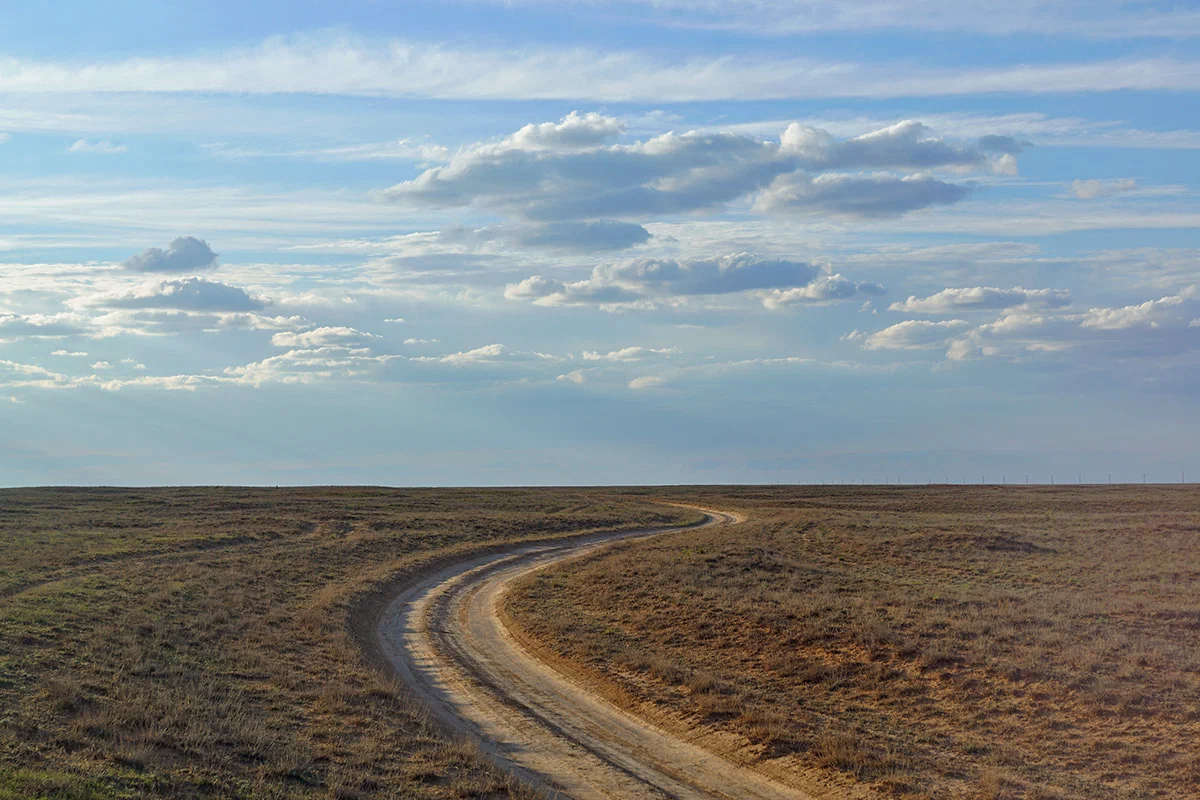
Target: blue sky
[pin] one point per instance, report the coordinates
(653, 241)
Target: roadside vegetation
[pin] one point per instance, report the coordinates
(947, 642)
(208, 643)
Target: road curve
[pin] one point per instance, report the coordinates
(446, 640)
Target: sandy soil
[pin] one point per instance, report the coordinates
(446, 639)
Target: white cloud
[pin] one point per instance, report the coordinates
(872, 196)
(310, 365)
(1115, 19)
(1167, 312)
(1094, 189)
(577, 377)
(1155, 328)
(978, 298)
(422, 341)
(187, 294)
(911, 335)
(397, 150)
(4, 137)
(183, 254)
(647, 382)
(395, 68)
(629, 354)
(321, 337)
(102, 365)
(101, 148)
(485, 354)
(42, 326)
(538, 178)
(823, 289)
(69, 353)
(646, 280)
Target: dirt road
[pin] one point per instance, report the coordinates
(446, 640)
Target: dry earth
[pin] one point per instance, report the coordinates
(928, 642)
(206, 643)
(447, 640)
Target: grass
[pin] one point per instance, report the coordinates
(951, 642)
(209, 643)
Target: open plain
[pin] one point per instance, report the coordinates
(206, 643)
(804, 642)
(923, 641)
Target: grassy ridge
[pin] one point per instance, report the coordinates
(931, 642)
(199, 642)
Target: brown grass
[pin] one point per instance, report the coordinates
(207, 643)
(930, 642)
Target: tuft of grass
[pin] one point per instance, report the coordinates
(209, 642)
(926, 641)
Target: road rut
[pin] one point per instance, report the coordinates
(445, 638)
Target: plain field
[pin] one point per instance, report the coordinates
(929, 641)
(206, 643)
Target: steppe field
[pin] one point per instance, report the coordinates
(948, 642)
(202, 643)
(973, 642)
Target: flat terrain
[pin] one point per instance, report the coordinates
(209, 643)
(447, 640)
(923, 641)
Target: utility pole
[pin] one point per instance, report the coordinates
(1051, 478)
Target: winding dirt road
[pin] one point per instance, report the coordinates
(446, 640)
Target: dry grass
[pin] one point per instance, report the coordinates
(200, 643)
(931, 642)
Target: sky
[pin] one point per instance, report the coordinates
(496, 242)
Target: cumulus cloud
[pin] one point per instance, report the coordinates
(320, 337)
(647, 382)
(1167, 312)
(102, 148)
(41, 326)
(577, 376)
(1096, 189)
(310, 365)
(102, 365)
(629, 354)
(184, 254)
(69, 353)
(823, 289)
(868, 196)
(648, 279)
(187, 294)
(980, 298)
(574, 170)
(487, 353)
(911, 334)
(1154, 328)
(907, 144)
